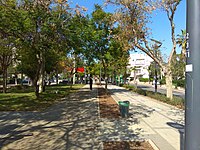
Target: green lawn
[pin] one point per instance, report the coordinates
(23, 98)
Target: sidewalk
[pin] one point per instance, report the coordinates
(158, 121)
(74, 124)
(70, 125)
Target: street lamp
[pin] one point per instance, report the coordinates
(156, 46)
(192, 105)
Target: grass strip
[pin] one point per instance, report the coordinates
(22, 98)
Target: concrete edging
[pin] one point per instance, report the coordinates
(153, 144)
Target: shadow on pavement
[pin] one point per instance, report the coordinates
(72, 124)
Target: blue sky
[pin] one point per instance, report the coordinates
(160, 24)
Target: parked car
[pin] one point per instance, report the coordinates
(25, 82)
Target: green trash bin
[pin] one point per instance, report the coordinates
(120, 106)
(124, 108)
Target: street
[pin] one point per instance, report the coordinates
(160, 89)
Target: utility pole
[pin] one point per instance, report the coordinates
(192, 105)
(156, 79)
(74, 68)
(156, 46)
(100, 73)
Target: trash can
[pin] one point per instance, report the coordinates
(120, 106)
(124, 108)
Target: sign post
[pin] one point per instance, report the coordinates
(192, 96)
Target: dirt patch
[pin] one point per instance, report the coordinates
(109, 108)
(127, 145)
(107, 105)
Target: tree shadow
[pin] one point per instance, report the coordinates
(70, 124)
(73, 123)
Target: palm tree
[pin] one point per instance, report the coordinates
(181, 41)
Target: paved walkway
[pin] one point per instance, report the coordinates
(157, 121)
(74, 124)
(70, 125)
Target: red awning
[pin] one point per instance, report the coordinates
(81, 69)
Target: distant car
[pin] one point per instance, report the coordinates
(158, 82)
(25, 82)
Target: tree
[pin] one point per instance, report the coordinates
(102, 33)
(7, 56)
(44, 32)
(133, 17)
(118, 59)
(178, 67)
(8, 24)
(181, 41)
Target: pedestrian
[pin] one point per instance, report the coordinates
(91, 80)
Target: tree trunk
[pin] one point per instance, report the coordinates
(71, 82)
(106, 83)
(16, 79)
(37, 91)
(169, 84)
(45, 82)
(36, 86)
(135, 76)
(41, 81)
(41, 74)
(56, 76)
(4, 79)
(106, 79)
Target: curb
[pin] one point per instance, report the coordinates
(153, 144)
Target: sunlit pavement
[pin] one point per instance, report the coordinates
(75, 124)
(157, 121)
(69, 125)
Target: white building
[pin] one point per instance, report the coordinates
(139, 64)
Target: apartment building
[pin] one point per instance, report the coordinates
(138, 64)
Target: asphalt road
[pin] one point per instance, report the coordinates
(148, 87)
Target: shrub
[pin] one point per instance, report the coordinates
(176, 101)
(140, 91)
(121, 84)
(180, 82)
(143, 79)
(130, 87)
(162, 81)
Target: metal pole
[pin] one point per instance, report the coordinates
(156, 46)
(100, 73)
(74, 70)
(156, 87)
(155, 72)
(192, 107)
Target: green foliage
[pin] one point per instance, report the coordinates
(144, 79)
(176, 101)
(22, 98)
(178, 66)
(180, 83)
(130, 87)
(162, 81)
(121, 84)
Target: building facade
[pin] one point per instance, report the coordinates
(138, 65)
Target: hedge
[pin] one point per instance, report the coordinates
(176, 101)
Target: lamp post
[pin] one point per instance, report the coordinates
(192, 105)
(156, 79)
(100, 73)
(156, 46)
